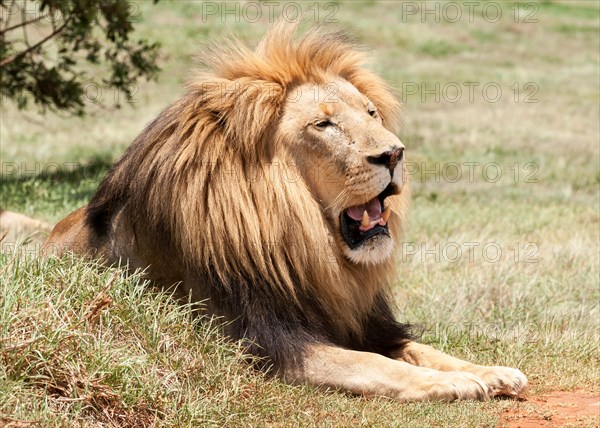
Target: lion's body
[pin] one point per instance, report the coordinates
(233, 193)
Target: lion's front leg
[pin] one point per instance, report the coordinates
(371, 374)
(501, 380)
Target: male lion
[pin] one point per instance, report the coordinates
(276, 189)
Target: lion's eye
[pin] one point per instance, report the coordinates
(373, 112)
(323, 124)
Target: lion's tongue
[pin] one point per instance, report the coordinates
(373, 208)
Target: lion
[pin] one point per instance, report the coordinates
(276, 189)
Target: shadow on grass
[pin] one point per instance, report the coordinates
(55, 172)
(51, 187)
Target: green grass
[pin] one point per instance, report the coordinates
(438, 48)
(87, 347)
(580, 9)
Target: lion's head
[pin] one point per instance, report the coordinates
(311, 104)
(351, 162)
(278, 171)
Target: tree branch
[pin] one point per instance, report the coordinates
(12, 4)
(13, 58)
(22, 24)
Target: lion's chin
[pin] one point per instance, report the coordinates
(375, 250)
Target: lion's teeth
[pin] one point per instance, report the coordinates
(385, 215)
(365, 222)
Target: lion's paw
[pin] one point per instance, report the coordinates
(452, 386)
(504, 381)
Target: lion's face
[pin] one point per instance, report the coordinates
(350, 161)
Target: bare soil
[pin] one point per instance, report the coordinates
(556, 409)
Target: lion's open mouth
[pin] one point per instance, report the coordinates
(362, 222)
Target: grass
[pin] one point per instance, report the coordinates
(438, 48)
(98, 348)
(87, 347)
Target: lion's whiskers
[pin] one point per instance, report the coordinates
(339, 201)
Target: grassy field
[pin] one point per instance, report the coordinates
(500, 262)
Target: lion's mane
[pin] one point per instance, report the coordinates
(215, 193)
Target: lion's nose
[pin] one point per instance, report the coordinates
(389, 159)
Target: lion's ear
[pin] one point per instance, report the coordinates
(246, 109)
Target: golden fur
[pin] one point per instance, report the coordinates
(264, 78)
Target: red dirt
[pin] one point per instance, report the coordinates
(556, 409)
